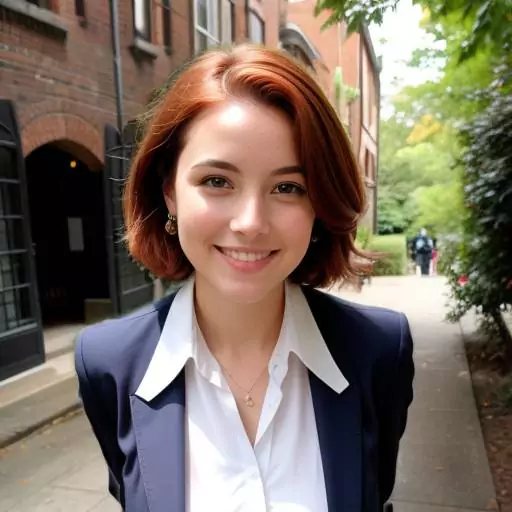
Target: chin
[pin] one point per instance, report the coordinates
(245, 291)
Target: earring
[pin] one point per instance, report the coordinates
(171, 226)
(314, 239)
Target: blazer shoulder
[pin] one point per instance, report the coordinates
(114, 343)
(376, 330)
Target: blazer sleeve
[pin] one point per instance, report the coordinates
(102, 420)
(393, 413)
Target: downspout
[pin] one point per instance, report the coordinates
(377, 160)
(118, 72)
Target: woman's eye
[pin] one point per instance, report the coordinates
(289, 188)
(216, 182)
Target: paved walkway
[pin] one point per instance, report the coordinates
(442, 468)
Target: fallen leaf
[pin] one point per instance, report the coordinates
(492, 504)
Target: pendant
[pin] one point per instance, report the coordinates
(249, 401)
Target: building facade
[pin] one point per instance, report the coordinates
(60, 257)
(348, 70)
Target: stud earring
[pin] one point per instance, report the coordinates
(171, 226)
(314, 239)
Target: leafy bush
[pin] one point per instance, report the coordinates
(363, 237)
(394, 255)
(484, 256)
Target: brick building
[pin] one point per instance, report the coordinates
(334, 56)
(58, 204)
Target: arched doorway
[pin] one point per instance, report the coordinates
(68, 230)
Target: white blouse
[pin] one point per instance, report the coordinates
(283, 471)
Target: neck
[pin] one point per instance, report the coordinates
(239, 330)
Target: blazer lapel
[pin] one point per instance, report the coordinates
(160, 435)
(339, 433)
(338, 416)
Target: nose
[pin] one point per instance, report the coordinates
(250, 217)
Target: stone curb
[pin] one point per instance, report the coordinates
(24, 417)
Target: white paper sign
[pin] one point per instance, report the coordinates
(75, 234)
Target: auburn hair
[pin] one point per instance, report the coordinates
(334, 183)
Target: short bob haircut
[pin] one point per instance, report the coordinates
(334, 183)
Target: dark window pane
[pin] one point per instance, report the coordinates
(44, 4)
(11, 234)
(10, 201)
(7, 163)
(15, 308)
(13, 270)
(166, 22)
(80, 8)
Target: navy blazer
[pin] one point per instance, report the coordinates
(359, 430)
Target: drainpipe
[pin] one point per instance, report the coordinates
(118, 74)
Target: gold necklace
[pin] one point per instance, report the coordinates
(249, 401)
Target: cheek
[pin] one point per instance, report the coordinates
(198, 218)
(296, 225)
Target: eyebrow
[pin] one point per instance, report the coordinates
(227, 166)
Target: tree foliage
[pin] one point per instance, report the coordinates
(485, 253)
(419, 183)
(488, 22)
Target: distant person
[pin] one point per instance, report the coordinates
(423, 247)
(435, 258)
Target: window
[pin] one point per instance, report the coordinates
(228, 17)
(207, 24)
(80, 8)
(44, 4)
(142, 19)
(166, 24)
(256, 28)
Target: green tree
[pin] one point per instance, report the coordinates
(413, 159)
(488, 23)
(439, 208)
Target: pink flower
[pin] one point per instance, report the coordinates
(463, 280)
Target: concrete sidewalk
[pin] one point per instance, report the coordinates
(443, 465)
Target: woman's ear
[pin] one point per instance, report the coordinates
(169, 196)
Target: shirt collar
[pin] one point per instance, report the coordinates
(175, 346)
(180, 340)
(302, 336)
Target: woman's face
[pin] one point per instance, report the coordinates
(244, 216)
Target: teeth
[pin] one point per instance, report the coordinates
(246, 256)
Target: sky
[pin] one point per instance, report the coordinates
(395, 40)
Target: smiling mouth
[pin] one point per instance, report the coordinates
(247, 256)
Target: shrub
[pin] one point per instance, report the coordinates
(363, 237)
(394, 255)
(484, 257)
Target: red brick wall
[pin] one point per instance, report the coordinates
(65, 87)
(326, 42)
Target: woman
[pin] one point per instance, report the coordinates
(247, 389)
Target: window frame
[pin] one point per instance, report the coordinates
(167, 41)
(50, 6)
(202, 31)
(232, 21)
(148, 37)
(255, 14)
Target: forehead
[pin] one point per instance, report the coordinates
(241, 132)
